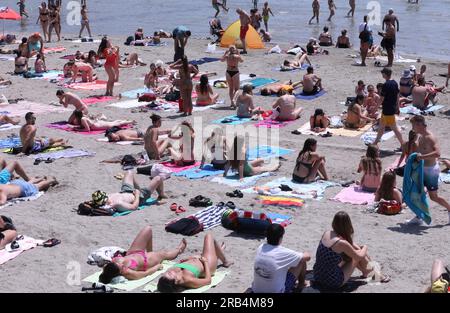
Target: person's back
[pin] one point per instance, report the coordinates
(419, 95)
(287, 107)
(21, 65)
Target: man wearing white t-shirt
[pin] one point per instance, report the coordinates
(277, 269)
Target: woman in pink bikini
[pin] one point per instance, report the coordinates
(140, 260)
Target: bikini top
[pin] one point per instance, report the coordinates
(191, 268)
(133, 264)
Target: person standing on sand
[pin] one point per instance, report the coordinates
(44, 19)
(428, 151)
(84, 21)
(245, 22)
(388, 41)
(392, 18)
(352, 4)
(364, 35)
(332, 8)
(265, 14)
(316, 9)
(55, 23)
(180, 36)
(255, 4)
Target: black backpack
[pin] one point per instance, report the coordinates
(86, 208)
(365, 34)
(188, 226)
(172, 96)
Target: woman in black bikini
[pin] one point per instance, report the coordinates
(43, 18)
(233, 59)
(319, 121)
(55, 23)
(309, 164)
(185, 83)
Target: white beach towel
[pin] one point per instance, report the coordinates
(17, 200)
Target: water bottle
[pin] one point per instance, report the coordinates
(145, 155)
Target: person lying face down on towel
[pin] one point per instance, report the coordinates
(195, 271)
(131, 195)
(277, 88)
(32, 144)
(19, 188)
(140, 260)
(8, 232)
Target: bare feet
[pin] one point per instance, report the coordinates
(182, 246)
(226, 263)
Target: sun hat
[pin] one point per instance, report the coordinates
(406, 74)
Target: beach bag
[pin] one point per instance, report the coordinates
(389, 207)
(172, 96)
(248, 222)
(88, 209)
(188, 226)
(147, 97)
(365, 34)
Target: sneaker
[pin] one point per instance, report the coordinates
(415, 221)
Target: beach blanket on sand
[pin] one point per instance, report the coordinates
(282, 201)
(128, 285)
(196, 173)
(176, 169)
(203, 61)
(306, 130)
(95, 85)
(304, 67)
(269, 123)
(369, 137)
(314, 190)
(233, 180)
(354, 195)
(133, 94)
(25, 244)
(149, 202)
(6, 127)
(346, 132)
(23, 199)
(99, 99)
(415, 111)
(215, 280)
(211, 216)
(414, 193)
(23, 107)
(64, 154)
(301, 96)
(51, 74)
(267, 152)
(10, 143)
(234, 120)
(258, 82)
(129, 104)
(120, 143)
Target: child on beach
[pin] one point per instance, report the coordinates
(372, 102)
(265, 15)
(360, 89)
(39, 65)
(387, 190)
(370, 165)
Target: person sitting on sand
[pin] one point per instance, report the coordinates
(278, 269)
(31, 144)
(205, 94)
(216, 145)
(160, 69)
(356, 117)
(162, 34)
(309, 164)
(319, 122)
(5, 119)
(313, 48)
(265, 36)
(372, 103)
(440, 278)
(406, 84)
(23, 48)
(370, 165)
(86, 124)
(140, 260)
(388, 190)
(325, 38)
(285, 106)
(297, 63)
(115, 135)
(195, 271)
(312, 84)
(39, 65)
(8, 231)
(66, 98)
(337, 256)
(239, 162)
(8, 169)
(408, 147)
(343, 41)
(19, 188)
(244, 102)
(185, 155)
(20, 64)
(154, 146)
(423, 95)
(360, 89)
(277, 88)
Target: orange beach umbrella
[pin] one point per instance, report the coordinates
(8, 14)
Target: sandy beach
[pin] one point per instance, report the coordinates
(405, 252)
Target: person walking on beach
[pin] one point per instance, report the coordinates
(84, 21)
(428, 151)
(245, 22)
(390, 17)
(364, 36)
(332, 8)
(22, 10)
(44, 19)
(180, 36)
(316, 9)
(389, 98)
(265, 14)
(216, 4)
(352, 4)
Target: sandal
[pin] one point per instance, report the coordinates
(231, 205)
(235, 194)
(51, 243)
(49, 160)
(180, 210)
(38, 161)
(173, 207)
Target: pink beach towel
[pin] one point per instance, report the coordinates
(176, 169)
(95, 85)
(354, 195)
(26, 243)
(94, 100)
(23, 107)
(63, 125)
(269, 123)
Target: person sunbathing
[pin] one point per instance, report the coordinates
(154, 146)
(388, 190)
(285, 106)
(239, 162)
(31, 144)
(370, 165)
(440, 278)
(19, 188)
(8, 232)
(8, 169)
(140, 260)
(299, 61)
(312, 84)
(195, 271)
(20, 64)
(343, 41)
(66, 98)
(244, 102)
(205, 94)
(216, 145)
(114, 135)
(372, 103)
(313, 48)
(319, 122)
(185, 155)
(356, 117)
(39, 65)
(276, 88)
(131, 60)
(151, 78)
(309, 164)
(337, 256)
(86, 124)
(423, 94)
(5, 119)
(325, 38)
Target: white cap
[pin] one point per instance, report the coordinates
(412, 68)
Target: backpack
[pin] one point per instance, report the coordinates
(389, 207)
(129, 40)
(365, 34)
(147, 97)
(86, 208)
(188, 226)
(172, 96)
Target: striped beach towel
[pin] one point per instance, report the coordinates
(211, 216)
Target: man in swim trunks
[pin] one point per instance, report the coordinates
(390, 17)
(428, 151)
(245, 20)
(312, 83)
(31, 144)
(131, 195)
(66, 98)
(125, 135)
(8, 169)
(388, 41)
(20, 189)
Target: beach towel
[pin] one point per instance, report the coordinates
(203, 61)
(23, 107)
(346, 132)
(51, 50)
(129, 104)
(444, 177)
(303, 67)
(25, 244)
(134, 93)
(150, 201)
(99, 99)
(313, 190)
(152, 44)
(234, 120)
(23, 199)
(233, 180)
(95, 85)
(211, 216)
(7, 57)
(64, 154)
(258, 82)
(10, 142)
(282, 201)
(6, 127)
(176, 169)
(63, 125)
(242, 77)
(306, 130)
(215, 280)
(87, 40)
(301, 96)
(414, 193)
(129, 285)
(121, 143)
(277, 218)
(196, 173)
(354, 195)
(415, 111)
(397, 59)
(51, 74)
(369, 137)
(267, 152)
(270, 123)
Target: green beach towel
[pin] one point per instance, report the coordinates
(149, 202)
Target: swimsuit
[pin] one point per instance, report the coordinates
(35, 46)
(110, 58)
(27, 189)
(326, 269)
(144, 194)
(232, 72)
(134, 265)
(191, 268)
(5, 176)
(297, 178)
(39, 146)
(431, 177)
(312, 92)
(243, 31)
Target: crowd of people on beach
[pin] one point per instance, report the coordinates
(277, 269)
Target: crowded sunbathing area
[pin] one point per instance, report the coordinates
(165, 161)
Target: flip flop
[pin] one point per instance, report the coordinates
(180, 210)
(296, 132)
(174, 207)
(38, 161)
(49, 160)
(51, 243)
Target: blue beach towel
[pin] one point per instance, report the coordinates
(203, 61)
(234, 120)
(10, 143)
(150, 201)
(278, 218)
(51, 74)
(233, 180)
(267, 152)
(259, 82)
(317, 95)
(208, 170)
(414, 194)
(133, 93)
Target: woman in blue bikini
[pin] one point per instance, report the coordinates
(195, 271)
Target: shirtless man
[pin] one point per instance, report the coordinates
(125, 135)
(19, 188)
(155, 147)
(312, 83)
(131, 195)
(66, 98)
(84, 21)
(429, 151)
(286, 107)
(216, 4)
(8, 169)
(316, 10)
(423, 94)
(352, 4)
(388, 41)
(87, 71)
(392, 18)
(31, 144)
(245, 22)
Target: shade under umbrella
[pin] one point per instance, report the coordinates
(8, 14)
